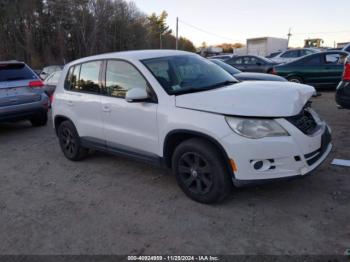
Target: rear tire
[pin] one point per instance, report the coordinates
(201, 172)
(295, 79)
(70, 142)
(39, 119)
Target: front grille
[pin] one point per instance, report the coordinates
(304, 121)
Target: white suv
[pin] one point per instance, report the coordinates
(182, 111)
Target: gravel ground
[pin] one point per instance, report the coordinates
(113, 205)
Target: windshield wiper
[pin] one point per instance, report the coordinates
(206, 88)
(221, 84)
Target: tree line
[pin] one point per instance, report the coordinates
(45, 32)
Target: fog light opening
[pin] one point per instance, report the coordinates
(263, 165)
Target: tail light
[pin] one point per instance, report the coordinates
(37, 83)
(346, 75)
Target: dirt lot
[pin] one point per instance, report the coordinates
(112, 205)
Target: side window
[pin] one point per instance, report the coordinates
(121, 77)
(252, 61)
(72, 78)
(308, 52)
(286, 54)
(75, 78)
(237, 61)
(302, 53)
(314, 60)
(332, 59)
(291, 54)
(89, 75)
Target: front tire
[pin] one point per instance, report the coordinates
(295, 79)
(200, 171)
(70, 142)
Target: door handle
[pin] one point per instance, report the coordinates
(106, 108)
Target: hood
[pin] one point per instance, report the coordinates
(255, 99)
(258, 77)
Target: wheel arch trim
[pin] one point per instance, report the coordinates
(167, 155)
(63, 117)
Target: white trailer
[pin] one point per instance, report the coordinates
(264, 46)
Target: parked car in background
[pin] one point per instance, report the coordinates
(49, 70)
(222, 57)
(322, 69)
(51, 82)
(293, 54)
(178, 109)
(244, 76)
(346, 48)
(21, 94)
(273, 54)
(343, 90)
(251, 63)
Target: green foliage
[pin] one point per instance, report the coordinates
(44, 32)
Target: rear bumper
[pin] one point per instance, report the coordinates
(342, 96)
(24, 111)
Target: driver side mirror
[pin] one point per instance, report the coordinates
(135, 95)
(258, 63)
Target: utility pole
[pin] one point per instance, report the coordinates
(289, 35)
(177, 33)
(160, 41)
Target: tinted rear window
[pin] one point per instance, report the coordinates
(15, 72)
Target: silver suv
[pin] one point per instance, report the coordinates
(21, 94)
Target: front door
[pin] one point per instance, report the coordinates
(131, 128)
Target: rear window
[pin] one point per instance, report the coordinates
(16, 72)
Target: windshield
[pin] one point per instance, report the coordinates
(226, 67)
(188, 74)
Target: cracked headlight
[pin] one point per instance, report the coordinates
(256, 128)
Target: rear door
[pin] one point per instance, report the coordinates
(310, 69)
(14, 85)
(82, 99)
(333, 68)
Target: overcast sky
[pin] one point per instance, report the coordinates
(237, 20)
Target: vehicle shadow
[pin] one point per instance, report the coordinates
(14, 127)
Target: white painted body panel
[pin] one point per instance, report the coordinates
(130, 125)
(260, 99)
(144, 126)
